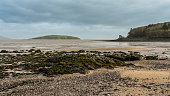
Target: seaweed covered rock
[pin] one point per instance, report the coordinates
(4, 51)
(54, 63)
(77, 64)
(131, 56)
(151, 57)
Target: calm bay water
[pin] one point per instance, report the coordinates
(74, 44)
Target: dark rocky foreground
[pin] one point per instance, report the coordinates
(88, 85)
(101, 82)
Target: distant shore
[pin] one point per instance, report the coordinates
(133, 40)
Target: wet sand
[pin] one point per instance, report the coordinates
(112, 49)
(61, 45)
(145, 48)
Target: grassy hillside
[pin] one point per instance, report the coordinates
(56, 37)
(160, 30)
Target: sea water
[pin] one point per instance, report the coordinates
(74, 44)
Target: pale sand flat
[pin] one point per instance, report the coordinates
(154, 76)
(111, 49)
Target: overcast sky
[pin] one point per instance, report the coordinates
(87, 19)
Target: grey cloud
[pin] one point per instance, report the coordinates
(88, 19)
(21, 31)
(85, 12)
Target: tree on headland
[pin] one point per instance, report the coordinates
(165, 26)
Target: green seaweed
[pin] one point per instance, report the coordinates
(54, 63)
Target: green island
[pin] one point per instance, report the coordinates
(152, 32)
(56, 37)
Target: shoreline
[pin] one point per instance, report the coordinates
(111, 49)
(133, 40)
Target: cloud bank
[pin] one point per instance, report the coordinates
(88, 19)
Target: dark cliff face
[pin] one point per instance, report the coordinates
(152, 31)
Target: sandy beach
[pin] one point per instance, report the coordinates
(146, 78)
